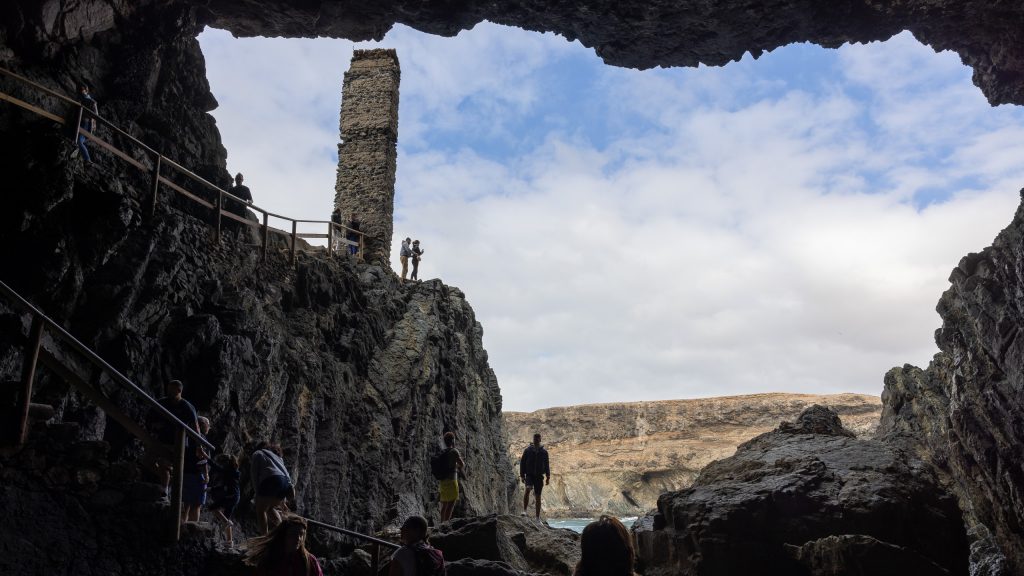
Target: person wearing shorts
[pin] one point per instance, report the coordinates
(534, 472)
(449, 486)
(271, 481)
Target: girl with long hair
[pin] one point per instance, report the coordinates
(282, 552)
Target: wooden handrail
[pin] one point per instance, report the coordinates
(159, 159)
(57, 331)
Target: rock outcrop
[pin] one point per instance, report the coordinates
(356, 375)
(962, 413)
(521, 543)
(618, 458)
(808, 498)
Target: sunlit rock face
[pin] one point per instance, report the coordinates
(618, 458)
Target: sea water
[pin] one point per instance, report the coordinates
(577, 524)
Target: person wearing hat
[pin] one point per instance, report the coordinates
(416, 557)
(417, 253)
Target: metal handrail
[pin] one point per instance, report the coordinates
(121, 379)
(163, 159)
(371, 539)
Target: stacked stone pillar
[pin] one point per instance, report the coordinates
(367, 154)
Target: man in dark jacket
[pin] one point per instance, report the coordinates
(535, 472)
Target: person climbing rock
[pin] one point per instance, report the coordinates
(534, 472)
(88, 122)
(282, 552)
(606, 549)
(403, 256)
(165, 431)
(416, 557)
(448, 485)
(417, 253)
(225, 491)
(271, 482)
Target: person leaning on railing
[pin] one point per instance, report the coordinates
(88, 122)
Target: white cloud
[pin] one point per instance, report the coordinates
(692, 233)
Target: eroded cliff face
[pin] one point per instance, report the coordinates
(618, 458)
(963, 412)
(356, 375)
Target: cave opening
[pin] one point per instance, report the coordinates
(778, 224)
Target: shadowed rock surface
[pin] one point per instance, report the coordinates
(805, 499)
(522, 543)
(618, 458)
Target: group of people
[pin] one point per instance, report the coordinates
(410, 250)
(215, 483)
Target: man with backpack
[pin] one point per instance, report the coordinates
(416, 557)
(535, 472)
(445, 466)
(403, 256)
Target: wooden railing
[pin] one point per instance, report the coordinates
(36, 353)
(336, 235)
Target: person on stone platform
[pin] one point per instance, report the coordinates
(239, 190)
(417, 253)
(535, 472)
(606, 549)
(416, 557)
(282, 552)
(352, 234)
(165, 432)
(271, 481)
(403, 255)
(448, 486)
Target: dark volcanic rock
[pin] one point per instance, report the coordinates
(963, 413)
(800, 502)
(519, 542)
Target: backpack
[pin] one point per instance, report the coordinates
(429, 561)
(439, 465)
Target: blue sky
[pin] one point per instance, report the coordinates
(784, 224)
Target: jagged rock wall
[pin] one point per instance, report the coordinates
(354, 374)
(368, 153)
(963, 413)
(618, 458)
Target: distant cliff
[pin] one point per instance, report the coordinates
(619, 458)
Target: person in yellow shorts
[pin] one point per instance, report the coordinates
(449, 485)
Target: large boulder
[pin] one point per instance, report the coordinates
(807, 498)
(518, 542)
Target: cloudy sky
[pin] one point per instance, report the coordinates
(784, 224)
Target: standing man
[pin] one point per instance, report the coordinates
(241, 190)
(88, 123)
(532, 466)
(164, 431)
(449, 485)
(404, 255)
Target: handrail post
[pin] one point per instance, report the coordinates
(177, 475)
(28, 374)
(78, 125)
(155, 185)
(295, 227)
(375, 563)
(217, 207)
(266, 235)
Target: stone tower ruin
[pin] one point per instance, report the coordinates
(367, 153)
